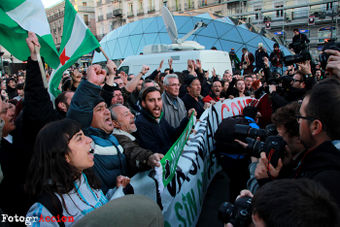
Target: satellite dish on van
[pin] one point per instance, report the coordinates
(177, 44)
(170, 24)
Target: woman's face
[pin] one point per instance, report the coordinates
(79, 155)
(240, 85)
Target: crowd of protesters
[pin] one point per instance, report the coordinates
(69, 157)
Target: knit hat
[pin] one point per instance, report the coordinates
(189, 79)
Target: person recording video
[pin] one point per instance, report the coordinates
(299, 42)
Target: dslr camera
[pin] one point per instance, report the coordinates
(324, 57)
(238, 214)
(297, 58)
(273, 146)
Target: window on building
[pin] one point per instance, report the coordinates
(86, 19)
(257, 14)
(140, 5)
(279, 12)
(329, 6)
(84, 3)
(130, 9)
(151, 5)
(257, 7)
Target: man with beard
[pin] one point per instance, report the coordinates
(215, 93)
(319, 130)
(248, 81)
(319, 127)
(63, 101)
(139, 159)
(153, 131)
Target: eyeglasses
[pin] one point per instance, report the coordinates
(294, 80)
(298, 117)
(174, 85)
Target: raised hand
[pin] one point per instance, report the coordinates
(32, 42)
(96, 75)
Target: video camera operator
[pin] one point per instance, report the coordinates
(230, 154)
(300, 42)
(286, 89)
(286, 202)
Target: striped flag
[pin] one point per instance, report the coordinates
(77, 41)
(19, 16)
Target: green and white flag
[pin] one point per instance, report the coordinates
(19, 16)
(166, 171)
(77, 41)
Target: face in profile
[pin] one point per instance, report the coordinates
(125, 119)
(79, 154)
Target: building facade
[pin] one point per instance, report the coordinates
(318, 19)
(55, 16)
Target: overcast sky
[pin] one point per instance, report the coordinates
(49, 3)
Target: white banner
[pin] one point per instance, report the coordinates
(182, 199)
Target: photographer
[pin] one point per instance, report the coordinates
(300, 42)
(292, 89)
(287, 202)
(231, 155)
(288, 128)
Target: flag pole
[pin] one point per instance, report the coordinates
(41, 66)
(105, 55)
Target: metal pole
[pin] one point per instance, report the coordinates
(283, 23)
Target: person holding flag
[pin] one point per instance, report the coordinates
(20, 16)
(77, 40)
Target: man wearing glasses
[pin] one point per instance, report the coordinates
(298, 80)
(173, 107)
(319, 127)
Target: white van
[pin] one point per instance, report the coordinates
(219, 60)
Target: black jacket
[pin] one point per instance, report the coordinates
(190, 102)
(157, 136)
(15, 157)
(322, 165)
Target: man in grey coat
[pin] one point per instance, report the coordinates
(173, 107)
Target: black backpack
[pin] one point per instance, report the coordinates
(52, 204)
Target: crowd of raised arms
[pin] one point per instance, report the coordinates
(70, 157)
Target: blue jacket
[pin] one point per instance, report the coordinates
(109, 160)
(157, 135)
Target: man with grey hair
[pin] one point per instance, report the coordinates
(173, 107)
(138, 158)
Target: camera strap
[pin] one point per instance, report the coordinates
(270, 155)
